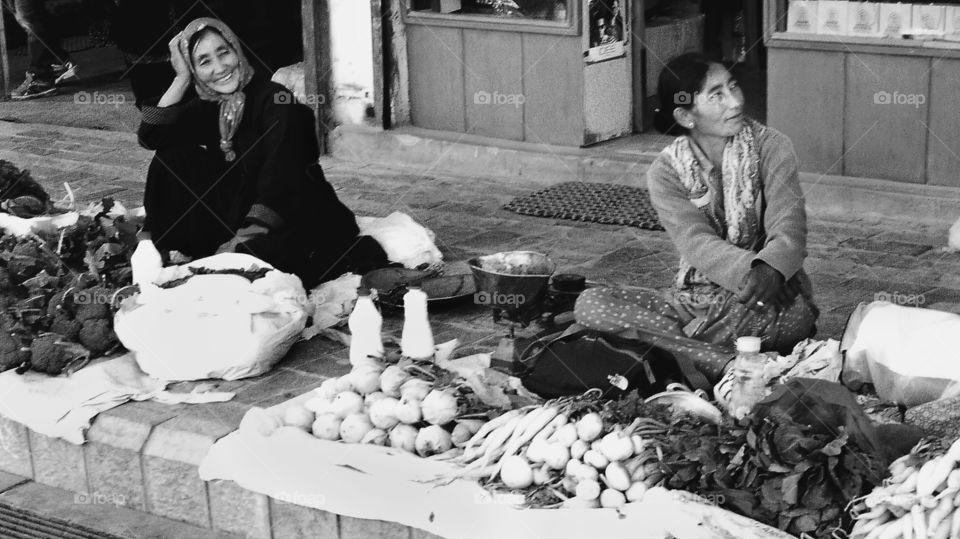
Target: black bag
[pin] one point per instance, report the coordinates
(577, 359)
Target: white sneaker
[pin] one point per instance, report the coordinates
(65, 71)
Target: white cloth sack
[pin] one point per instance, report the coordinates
(214, 326)
(64, 406)
(380, 483)
(909, 354)
(403, 239)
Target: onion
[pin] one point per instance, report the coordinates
(408, 411)
(365, 379)
(371, 398)
(298, 416)
(616, 447)
(578, 449)
(588, 489)
(415, 389)
(327, 427)
(383, 413)
(375, 437)
(595, 459)
(259, 421)
(636, 491)
(329, 389)
(391, 379)
(354, 427)
(439, 407)
(403, 437)
(346, 403)
(432, 440)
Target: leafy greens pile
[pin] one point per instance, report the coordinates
(771, 469)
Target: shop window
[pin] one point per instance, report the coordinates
(543, 10)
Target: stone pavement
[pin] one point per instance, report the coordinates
(148, 452)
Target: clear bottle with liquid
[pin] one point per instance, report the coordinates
(416, 340)
(749, 386)
(365, 325)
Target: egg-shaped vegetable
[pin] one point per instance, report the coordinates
(391, 379)
(327, 427)
(432, 440)
(383, 413)
(516, 472)
(589, 427)
(354, 427)
(439, 407)
(408, 411)
(404, 437)
(346, 403)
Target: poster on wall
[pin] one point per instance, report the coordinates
(608, 31)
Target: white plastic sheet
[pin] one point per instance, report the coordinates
(909, 354)
(403, 239)
(371, 482)
(214, 326)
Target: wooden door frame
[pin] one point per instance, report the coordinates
(317, 66)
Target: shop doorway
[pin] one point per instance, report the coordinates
(729, 31)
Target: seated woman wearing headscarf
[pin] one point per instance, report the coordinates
(727, 191)
(236, 168)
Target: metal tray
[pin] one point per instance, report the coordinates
(391, 284)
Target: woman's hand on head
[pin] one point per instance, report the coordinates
(179, 63)
(761, 287)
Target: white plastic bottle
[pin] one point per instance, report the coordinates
(365, 324)
(749, 386)
(416, 341)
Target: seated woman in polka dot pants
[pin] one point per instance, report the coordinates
(727, 191)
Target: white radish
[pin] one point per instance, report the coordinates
(595, 459)
(541, 475)
(616, 477)
(615, 446)
(918, 516)
(636, 491)
(927, 477)
(556, 456)
(955, 524)
(516, 472)
(566, 435)
(612, 499)
(588, 489)
(589, 427)
(578, 449)
(940, 513)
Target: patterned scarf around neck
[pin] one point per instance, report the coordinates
(732, 206)
(231, 105)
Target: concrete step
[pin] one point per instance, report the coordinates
(623, 161)
(30, 510)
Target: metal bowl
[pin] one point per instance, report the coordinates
(511, 280)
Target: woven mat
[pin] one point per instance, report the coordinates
(594, 202)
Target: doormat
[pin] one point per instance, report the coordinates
(607, 204)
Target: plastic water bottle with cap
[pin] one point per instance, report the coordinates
(416, 341)
(365, 324)
(749, 386)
